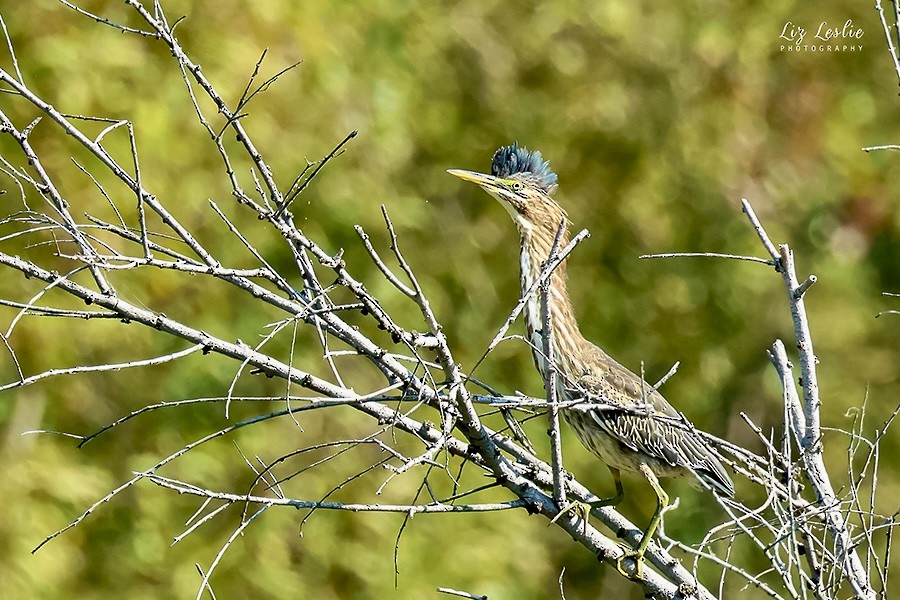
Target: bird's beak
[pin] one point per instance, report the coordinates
(491, 185)
(477, 178)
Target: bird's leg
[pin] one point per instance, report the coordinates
(583, 509)
(662, 501)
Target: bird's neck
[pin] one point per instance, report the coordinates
(567, 339)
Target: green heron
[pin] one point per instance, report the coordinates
(633, 427)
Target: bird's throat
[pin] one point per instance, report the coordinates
(565, 335)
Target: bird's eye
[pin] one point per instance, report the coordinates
(516, 186)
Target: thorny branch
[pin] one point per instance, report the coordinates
(426, 398)
(809, 541)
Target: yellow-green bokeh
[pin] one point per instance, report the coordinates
(658, 118)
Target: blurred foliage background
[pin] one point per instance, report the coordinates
(658, 118)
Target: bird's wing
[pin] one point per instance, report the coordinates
(637, 415)
(673, 441)
(606, 377)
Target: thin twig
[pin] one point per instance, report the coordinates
(707, 255)
(551, 381)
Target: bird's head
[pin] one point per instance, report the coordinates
(523, 182)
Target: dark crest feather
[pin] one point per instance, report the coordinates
(513, 159)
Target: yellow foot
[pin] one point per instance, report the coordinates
(579, 508)
(629, 554)
(583, 509)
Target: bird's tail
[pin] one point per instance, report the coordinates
(706, 463)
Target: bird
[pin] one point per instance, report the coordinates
(633, 427)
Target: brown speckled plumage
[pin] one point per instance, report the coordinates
(623, 440)
(647, 433)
